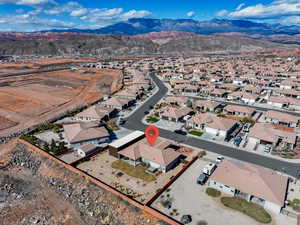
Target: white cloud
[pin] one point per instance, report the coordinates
(240, 6)
(64, 8)
(277, 8)
(79, 12)
(32, 3)
(90, 17)
(30, 22)
(190, 14)
(222, 13)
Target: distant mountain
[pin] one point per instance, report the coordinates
(146, 25)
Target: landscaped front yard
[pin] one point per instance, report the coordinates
(249, 208)
(152, 119)
(137, 172)
(196, 133)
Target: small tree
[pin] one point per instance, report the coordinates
(248, 120)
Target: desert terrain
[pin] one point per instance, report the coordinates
(32, 99)
(37, 190)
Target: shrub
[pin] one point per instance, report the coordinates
(213, 192)
(249, 208)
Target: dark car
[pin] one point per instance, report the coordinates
(122, 122)
(146, 112)
(238, 140)
(202, 178)
(180, 132)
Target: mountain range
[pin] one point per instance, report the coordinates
(143, 37)
(146, 25)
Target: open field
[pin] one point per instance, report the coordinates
(37, 190)
(32, 99)
(36, 64)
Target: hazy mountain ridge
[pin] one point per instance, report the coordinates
(146, 25)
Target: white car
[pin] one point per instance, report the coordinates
(219, 159)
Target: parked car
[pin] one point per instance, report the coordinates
(268, 149)
(219, 159)
(246, 127)
(146, 112)
(209, 169)
(122, 122)
(180, 132)
(237, 140)
(202, 178)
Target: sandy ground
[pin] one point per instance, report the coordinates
(100, 167)
(29, 100)
(188, 197)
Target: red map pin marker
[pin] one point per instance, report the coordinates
(152, 134)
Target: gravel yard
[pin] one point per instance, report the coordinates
(188, 197)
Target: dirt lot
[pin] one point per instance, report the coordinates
(36, 190)
(100, 167)
(32, 99)
(192, 199)
(36, 64)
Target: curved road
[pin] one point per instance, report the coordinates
(134, 122)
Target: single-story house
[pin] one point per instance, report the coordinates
(96, 113)
(118, 103)
(174, 114)
(281, 118)
(212, 124)
(176, 100)
(205, 105)
(159, 156)
(266, 134)
(79, 134)
(253, 183)
(241, 111)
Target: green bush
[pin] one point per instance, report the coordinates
(249, 208)
(196, 133)
(151, 119)
(248, 120)
(213, 192)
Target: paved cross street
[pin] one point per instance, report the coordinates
(134, 122)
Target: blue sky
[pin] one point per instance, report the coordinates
(33, 15)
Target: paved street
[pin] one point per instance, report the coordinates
(134, 123)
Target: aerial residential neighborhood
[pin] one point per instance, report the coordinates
(209, 131)
(149, 112)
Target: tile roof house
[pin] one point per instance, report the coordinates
(78, 134)
(254, 183)
(241, 111)
(117, 103)
(176, 100)
(174, 114)
(281, 118)
(159, 156)
(265, 133)
(212, 124)
(204, 105)
(95, 113)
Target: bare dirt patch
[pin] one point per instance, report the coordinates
(33, 99)
(61, 197)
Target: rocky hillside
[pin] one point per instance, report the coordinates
(117, 46)
(37, 190)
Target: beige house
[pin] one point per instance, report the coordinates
(79, 134)
(253, 183)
